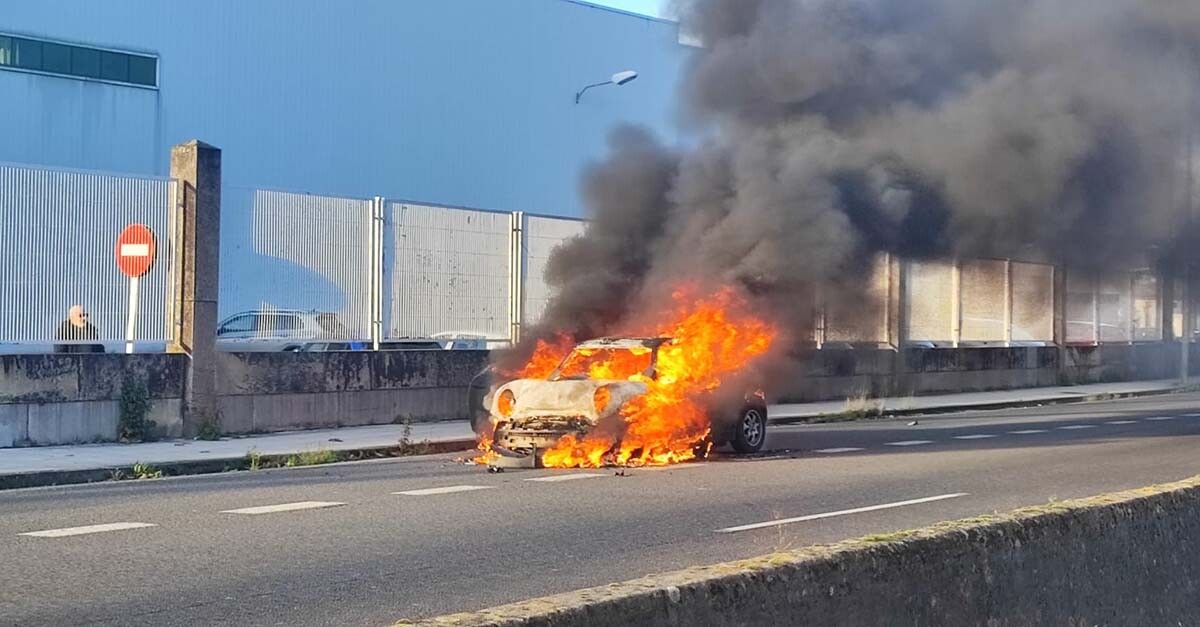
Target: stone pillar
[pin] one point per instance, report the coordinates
(197, 168)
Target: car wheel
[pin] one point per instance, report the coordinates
(750, 430)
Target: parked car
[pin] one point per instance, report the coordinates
(398, 345)
(277, 329)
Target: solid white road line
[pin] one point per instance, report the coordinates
(1121, 422)
(557, 478)
(834, 451)
(446, 490)
(1028, 431)
(1192, 415)
(857, 510)
(1161, 418)
(977, 436)
(1076, 427)
(79, 531)
(283, 507)
(910, 443)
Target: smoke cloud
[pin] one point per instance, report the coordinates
(1049, 129)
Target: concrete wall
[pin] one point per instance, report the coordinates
(259, 392)
(1124, 559)
(66, 399)
(834, 374)
(63, 399)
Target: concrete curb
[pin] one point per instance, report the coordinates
(948, 409)
(824, 584)
(39, 479)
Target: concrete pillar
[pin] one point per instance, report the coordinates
(197, 168)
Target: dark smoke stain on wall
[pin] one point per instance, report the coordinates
(1055, 129)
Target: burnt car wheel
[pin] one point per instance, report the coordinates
(750, 430)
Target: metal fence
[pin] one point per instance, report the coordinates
(59, 230)
(446, 271)
(295, 266)
(300, 267)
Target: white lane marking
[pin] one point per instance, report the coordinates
(1074, 427)
(557, 478)
(283, 507)
(1121, 422)
(910, 443)
(857, 510)
(79, 531)
(1161, 418)
(1028, 431)
(977, 436)
(1192, 415)
(834, 451)
(446, 490)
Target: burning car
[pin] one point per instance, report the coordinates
(601, 406)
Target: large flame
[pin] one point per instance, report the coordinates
(715, 337)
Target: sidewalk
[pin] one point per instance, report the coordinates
(50, 465)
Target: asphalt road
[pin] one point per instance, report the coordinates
(465, 539)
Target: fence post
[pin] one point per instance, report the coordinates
(377, 234)
(516, 275)
(197, 168)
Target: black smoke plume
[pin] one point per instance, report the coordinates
(1048, 129)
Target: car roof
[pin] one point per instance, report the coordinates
(624, 343)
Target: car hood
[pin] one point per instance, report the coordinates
(538, 397)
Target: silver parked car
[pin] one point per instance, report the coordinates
(277, 329)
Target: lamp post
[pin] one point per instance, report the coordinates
(618, 79)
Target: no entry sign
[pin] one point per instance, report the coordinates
(135, 250)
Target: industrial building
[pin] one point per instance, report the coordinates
(454, 102)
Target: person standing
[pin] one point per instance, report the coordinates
(76, 328)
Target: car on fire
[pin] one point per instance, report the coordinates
(530, 415)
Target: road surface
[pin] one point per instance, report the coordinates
(369, 543)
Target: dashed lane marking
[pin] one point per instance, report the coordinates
(845, 512)
(1029, 431)
(79, 531)
(1077, 427)
(446, 490)
(1121, 422)
(572, 477)
(1160, 418)
(976, 436)
(834, 451)
(910, 443)
(282, 507)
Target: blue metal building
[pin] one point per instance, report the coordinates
(459, 102)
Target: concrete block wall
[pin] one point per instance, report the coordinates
(263, 392)
(67, 399)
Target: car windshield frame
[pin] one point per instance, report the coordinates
(650, 371)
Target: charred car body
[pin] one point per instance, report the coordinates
(588, 389)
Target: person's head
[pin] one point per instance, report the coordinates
(77, 315)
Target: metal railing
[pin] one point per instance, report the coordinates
(58, 230)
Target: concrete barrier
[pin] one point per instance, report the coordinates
(1131, 558)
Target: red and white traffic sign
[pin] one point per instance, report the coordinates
(135, 250)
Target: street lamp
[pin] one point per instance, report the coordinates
(620, 78)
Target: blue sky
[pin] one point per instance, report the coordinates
(647, 7)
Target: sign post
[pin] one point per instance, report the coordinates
(134, 251)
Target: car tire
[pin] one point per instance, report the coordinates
(750, 430)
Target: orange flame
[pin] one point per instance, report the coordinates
(715, 337)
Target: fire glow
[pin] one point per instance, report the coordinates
(715, 336)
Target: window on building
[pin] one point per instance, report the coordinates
(77, 61)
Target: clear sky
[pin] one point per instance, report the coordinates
(647, 7)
